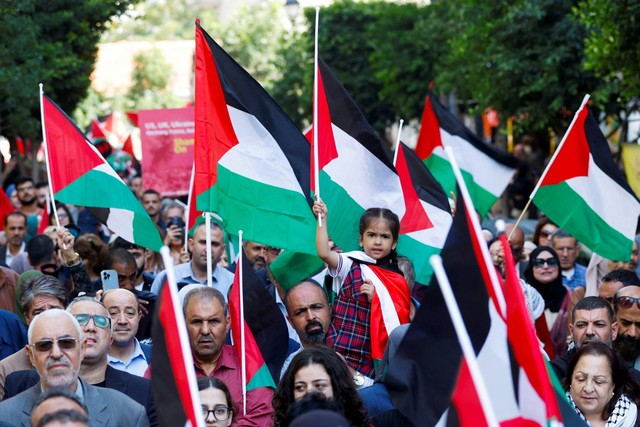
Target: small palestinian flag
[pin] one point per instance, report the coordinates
(486, 170)
(80, 176)
(585, 193)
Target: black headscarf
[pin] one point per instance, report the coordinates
(554, 292)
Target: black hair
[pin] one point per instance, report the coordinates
(309, 402)
(592, 303)
(122, 256)
(15, 214)
(119, 242)
(40, 250)
(344, 391)
(150, 191)
(63, 415)
(21, 180)
(392, 219)
(209, 382)
(624, 276)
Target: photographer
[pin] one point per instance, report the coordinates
(174, 239)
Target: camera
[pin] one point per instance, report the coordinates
(176, 220)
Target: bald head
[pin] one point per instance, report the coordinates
(516, 239)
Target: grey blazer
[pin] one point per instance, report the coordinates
(107, 407)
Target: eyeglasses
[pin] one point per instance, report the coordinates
(626, 302)
(220, 412)
(67, 343)
(546, 233)
(100, 321)
(539, 262)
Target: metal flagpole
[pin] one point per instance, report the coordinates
(316, 163)
(243, 350)
(395, 155)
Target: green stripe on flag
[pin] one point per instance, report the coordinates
(262, 378)
(257, 209)
(570, 212)
(440, 168)
(344, 214)
(419, 253)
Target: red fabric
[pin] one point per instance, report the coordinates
(5, 208)
(259, 409)
(415, 217)
(429, 137)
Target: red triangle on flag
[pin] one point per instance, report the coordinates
(415, 217)
(429, 137)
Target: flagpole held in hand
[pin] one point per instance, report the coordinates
(243, 362)
(395, 154)
(463, 339)
(46, 162)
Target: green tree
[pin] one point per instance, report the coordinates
(151, 75)
(523, 58)
(53, 42)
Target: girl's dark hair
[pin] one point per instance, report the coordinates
(372, 214)
(208, 382)
(344, 391)
(623, 383)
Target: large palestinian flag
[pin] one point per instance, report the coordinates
(266, 335)
(430, 386)
(486, 170)
(251, 162)
(357, 173)
(80, 176)
(585, 193)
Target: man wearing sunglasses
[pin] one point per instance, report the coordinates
(95, 321)
(56, 349)
(627, 307)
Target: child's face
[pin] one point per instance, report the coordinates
(377, 239)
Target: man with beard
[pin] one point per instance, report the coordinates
(15, 229)
(627, 308)
(195, 271)
(208, 322)
(592, 320)
(28, 196)
(56, 349)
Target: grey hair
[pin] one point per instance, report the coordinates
(561, 234)
(42, 286)
(87, 299)
(54, 312)
(204, 293)
(406, 266)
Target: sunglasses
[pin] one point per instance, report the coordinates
(67, 343)
(539, 262)
(100, 321)
(626, 302)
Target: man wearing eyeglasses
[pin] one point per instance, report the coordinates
(95, 321)
(56, 349)
(627, 307)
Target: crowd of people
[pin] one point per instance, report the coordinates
(73, 351)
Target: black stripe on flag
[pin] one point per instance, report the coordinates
(428, 189)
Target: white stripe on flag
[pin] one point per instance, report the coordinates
(487, 173)
(258, 156)
(121, 220)
(389, 313)
(368, 181)
(105, 168)
(433, 236)
(607, 199)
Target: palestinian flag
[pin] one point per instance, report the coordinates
(431, 386)
(583, 191)
(5, 208)
(99, 139)
(486, 170)
(538, 391)
(80, 176)
(357, 173)
(194, 216)
(251, 162)
(174, 378)
(46, 212)
(266, 334)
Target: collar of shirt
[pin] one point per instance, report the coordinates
(226, 361)
(137, 353)
(569, 273)
(79, 390)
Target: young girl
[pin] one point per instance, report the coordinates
(372, 294)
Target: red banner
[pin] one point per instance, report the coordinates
(167, 149)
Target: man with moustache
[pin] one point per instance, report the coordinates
(627, 308)
(15, 229)
(208, 322)
(28, 196)
(95, 321)
(56, 349)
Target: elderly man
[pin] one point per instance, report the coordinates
(208, 323)
(568, 249)
(56, 349)
(95, 321)
(126, 353)
(592, 320)
(38, 295)
(195, 271)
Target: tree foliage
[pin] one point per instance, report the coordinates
(53, 42)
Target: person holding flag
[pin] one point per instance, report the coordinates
(372, 296)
